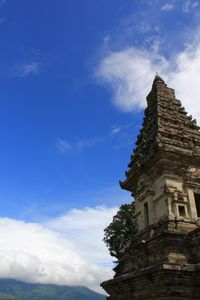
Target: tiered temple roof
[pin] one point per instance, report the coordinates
(166, 129)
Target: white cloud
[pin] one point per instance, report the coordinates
(106, 40)
(65, 146)
(144, 27)
(27, 69)
(68, 250)
(89, 143)
(167, 7)
(115, 130)
(188, 5)
(85, 227)
(130, 73)
(185, 79)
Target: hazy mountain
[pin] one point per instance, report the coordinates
(15, 290)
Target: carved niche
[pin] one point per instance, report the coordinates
(192, 175)
(144, 184)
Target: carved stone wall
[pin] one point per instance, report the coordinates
(164, 266)
(164, 177)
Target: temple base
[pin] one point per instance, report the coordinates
(166, 266)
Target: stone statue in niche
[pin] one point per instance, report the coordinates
(193, 174)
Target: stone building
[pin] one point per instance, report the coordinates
(164, 178)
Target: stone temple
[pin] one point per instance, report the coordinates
(163, 261)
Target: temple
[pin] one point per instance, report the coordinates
(163, 262)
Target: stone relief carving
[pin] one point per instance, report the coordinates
(143, 184)
(192, 174)
(170, 189)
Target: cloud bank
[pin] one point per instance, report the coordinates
(65, 251)
(130, 72)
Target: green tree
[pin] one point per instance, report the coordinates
(121, 231)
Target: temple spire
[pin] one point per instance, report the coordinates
(166, 129)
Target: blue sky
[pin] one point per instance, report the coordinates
(49, 94)
(73, 80)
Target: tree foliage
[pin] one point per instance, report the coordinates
(122, 229)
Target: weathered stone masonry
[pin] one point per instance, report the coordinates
(164, 177)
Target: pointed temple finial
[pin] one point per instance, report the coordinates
(158, 78)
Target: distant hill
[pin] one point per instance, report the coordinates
(16, 290)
